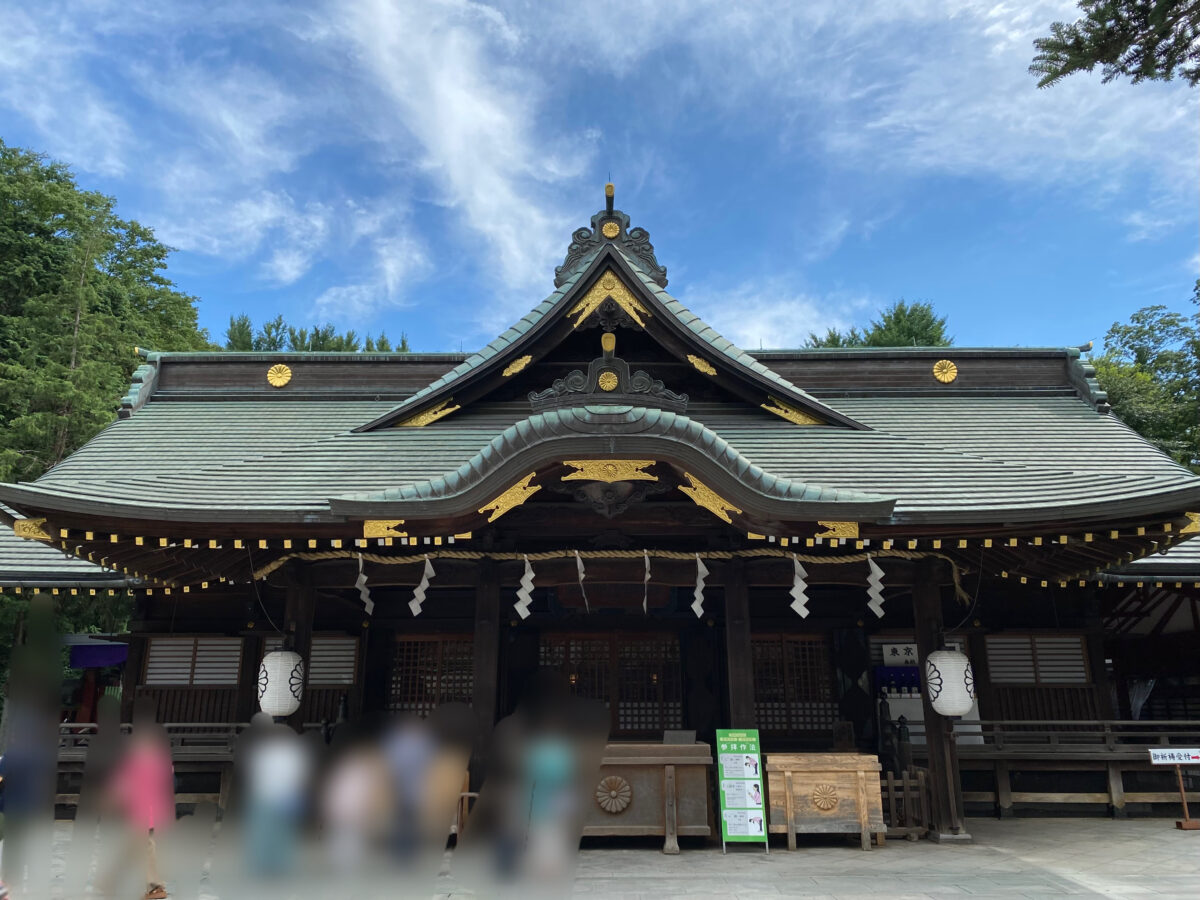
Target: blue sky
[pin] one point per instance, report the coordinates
(419, 166)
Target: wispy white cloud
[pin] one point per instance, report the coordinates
(773, 312)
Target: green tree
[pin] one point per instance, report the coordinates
(900, 325)
(1150, 369)
(1145, 40)
(278, 335)
(79, 289)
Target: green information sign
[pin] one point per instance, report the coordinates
(741, 787)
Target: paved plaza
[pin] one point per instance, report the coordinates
(1009, 858)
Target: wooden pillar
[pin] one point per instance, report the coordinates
(247, 699)
(487, 645)
(298, 624)
(945, 780)
(1095, 653)
(738, 656)
(132, 676)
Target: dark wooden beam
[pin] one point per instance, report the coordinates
(298, 623)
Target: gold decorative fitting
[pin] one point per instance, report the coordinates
(610, 230)
(608, 381)
(432, 414)
(609, 189)
(609, 285)
(608, 342)
(1193, 525)
(838, 530)
(945, 371)
(517, 365)
(279, 375)
(513, 497)
(701, 365)
(609, 470)
(32, 529)
(383, 528)
(789, 412)
(703, 495)
(825, 797)
(613, 794)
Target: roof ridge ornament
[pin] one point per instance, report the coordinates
(611, 226)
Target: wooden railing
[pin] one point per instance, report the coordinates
(1086, 739)
(1011, 749)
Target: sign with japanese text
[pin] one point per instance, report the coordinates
(1175, 756)
(899, 654)
(742, 788)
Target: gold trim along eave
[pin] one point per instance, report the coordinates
(425, 417)
(512, 498)
(517, 365)
(383, 528)
(838, 530)
(609, 470)
(609, 285)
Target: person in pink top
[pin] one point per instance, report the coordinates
(142, 791)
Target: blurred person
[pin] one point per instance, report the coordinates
(410, 748)
(277, 766)
(142, 791)
(103, 752)
(28, 765)
(356, 800)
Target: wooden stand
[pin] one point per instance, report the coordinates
(1188, 823)
(819, 793)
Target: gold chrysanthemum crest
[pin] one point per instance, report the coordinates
(278, 375)
(945, 371)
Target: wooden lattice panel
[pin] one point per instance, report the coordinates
(427, 672)
(637, 677)
(793, 684)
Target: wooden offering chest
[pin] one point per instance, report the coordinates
(821, 793)
(646, 788)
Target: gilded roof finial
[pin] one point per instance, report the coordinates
(609, 190)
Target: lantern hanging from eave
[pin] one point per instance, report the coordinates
(280, 682)
(950, 682)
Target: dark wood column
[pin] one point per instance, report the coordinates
(298, 623)
(945, 780)
(1095, 652)
(252, 652)
(737, 646)
(134, 663)
(487, 645)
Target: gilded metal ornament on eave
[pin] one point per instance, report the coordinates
(703, 495)
(383, 528)
(430, 415)
(789, 412)
(609, 470)
(701, 365)
(512, 498)
(516, 365)
(838, 530)
(32, 530)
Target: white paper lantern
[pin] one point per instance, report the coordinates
(281, 682)
(950, 682)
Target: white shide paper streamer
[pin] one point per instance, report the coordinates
(799, 597)
(698, 594)
(364, 592)
(646, 586)
(419, 594)
(582, 575)
(525, 592)
(875, 588)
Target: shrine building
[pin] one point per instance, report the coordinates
(716, 538)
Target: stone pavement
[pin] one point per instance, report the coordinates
(1148, 859)
(1010, 858)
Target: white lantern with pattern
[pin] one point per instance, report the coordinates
(950, 682)
(281, 682)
